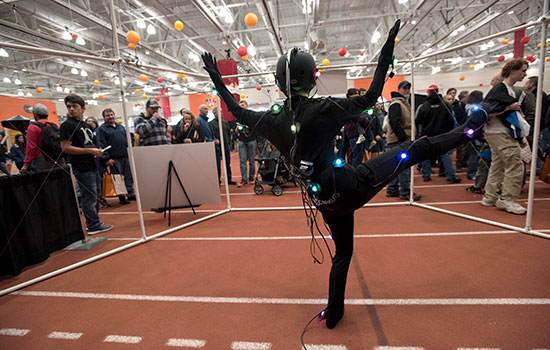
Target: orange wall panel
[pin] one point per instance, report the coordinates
(12, 106)
(195, 100)
(389, 86)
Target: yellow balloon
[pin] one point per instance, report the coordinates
(326, 62)
(133, 37)
(181, 75)
(178, 25)
(176, 111)
(96, 82)
(119, 120)
(144, 96)
(137, 91)
(250, 19)
(472, 66)
(243, 95)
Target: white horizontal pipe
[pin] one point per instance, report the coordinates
(165, 232)
(56, 52)
(485, 221)
(391, 204)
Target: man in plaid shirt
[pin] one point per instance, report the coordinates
(151, 126)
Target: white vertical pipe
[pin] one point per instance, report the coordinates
(125, 118)
(222, 146)
(413, 129)
(538, 117)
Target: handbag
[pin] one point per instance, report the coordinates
(526, 154)
(545, 172)
(107, 186)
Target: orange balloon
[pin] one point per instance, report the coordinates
(547, 59)
(143, 78)
(245, 58)
(397, 40)
(101, 97)
(250, 19)
(461, 77)
(133, 37)
(132, 46)
(505, 41)
(186, 80)
(181, 75)
(39, 90)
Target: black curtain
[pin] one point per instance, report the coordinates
(49, 223)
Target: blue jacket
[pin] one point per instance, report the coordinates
(114, 136)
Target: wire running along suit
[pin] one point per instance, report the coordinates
(343, 189)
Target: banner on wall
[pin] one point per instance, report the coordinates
(166, 110)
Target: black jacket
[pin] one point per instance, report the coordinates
(434, 117)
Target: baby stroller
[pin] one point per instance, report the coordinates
(271, 171)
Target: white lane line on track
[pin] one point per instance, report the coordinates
(387, 235)
(325, 347)
(288, 301)
(246, 345)
(189, 343)
(389, 347)
(64, 335)
(478, 349)
(14, 332)
(124, 339)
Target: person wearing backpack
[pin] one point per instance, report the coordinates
(43, 142)
(77, 140)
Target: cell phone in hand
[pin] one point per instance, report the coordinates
(106, 148)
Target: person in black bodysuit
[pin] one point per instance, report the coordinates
(304, 130)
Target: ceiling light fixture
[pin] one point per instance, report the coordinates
(141, 24)
(7, 80)
(66, 36)
(3, 53)
(80, 41)
(83, 73)
(375, 37)
(151, 29)
(74, 71)
(17, 82)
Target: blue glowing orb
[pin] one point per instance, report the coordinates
(338, 163)
(403, 155)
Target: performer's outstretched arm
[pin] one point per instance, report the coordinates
(355, 105)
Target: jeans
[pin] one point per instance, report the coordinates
(544, 142)
(4, 168)
(88, 197)
(247, 152)
(402, 180)
(447, 163)
(472, 160)
(123, 167)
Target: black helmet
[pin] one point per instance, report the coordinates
(302, 71)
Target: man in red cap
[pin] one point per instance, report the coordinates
(434, 118)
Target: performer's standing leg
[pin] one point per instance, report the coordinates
(342, 234)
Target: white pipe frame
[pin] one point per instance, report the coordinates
(543, 21)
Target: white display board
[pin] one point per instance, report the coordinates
(196, 167)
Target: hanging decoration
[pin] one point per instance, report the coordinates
(472, 66)
(243, 95)
(259, 87)
(242, 51)
(461, 78)
(96, 82)
(250, 20)
(326, 62)
(525, 40)
(137, 91)
(245, 58)
(143, 78)
(505, 41)
(181, 75)
(133, 37)
(501, 58)
(39, 90)
(397, 40)
(178, 25)
(101, 97)
(342, 51)
(160, 80)
(132, 46)
(144, 95)
(157, 98)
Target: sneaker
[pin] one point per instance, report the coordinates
(231, 182)
(360, 139)
(392, 194)
(407, 196)
(474, 189)
(102, 228)
(123, 200)
(252, 182)
(427, 179)
(454, 179)
(241, 184)
(132, 198)
(488, 202)
(510, 206)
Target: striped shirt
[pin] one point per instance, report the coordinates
(152, 131)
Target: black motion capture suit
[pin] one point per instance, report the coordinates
(317, 120)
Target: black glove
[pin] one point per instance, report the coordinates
(210, 64)
(386, 55)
